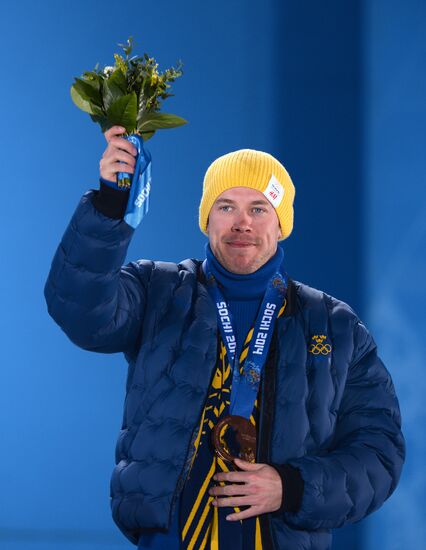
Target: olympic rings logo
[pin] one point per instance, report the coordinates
(319, 347)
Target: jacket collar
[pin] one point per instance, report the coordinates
(194, 266)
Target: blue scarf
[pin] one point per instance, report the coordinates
(244, 293)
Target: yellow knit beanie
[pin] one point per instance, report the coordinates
(257, 170)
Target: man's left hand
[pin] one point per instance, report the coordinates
(257, 486)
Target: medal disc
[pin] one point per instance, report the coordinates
(235, 437)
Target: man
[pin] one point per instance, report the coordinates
(257, 413)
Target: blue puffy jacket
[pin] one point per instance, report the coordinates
(328, 405)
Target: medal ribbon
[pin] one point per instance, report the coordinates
(245, 385)
(138, 203)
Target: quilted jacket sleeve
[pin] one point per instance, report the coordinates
(96, 301)
(364, 463)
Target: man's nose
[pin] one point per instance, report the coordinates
(242, 221)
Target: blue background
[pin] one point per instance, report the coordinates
(336, 90)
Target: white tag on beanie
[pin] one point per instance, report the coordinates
(274, 192)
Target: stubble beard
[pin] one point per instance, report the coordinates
(232, 266)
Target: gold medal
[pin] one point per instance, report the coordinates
(235, 437)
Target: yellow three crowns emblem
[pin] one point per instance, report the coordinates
(319, 346)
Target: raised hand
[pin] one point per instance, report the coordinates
(119, 156)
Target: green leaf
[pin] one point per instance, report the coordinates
(81, 103)
(147, 135)
(88, 90)
(84, 104)
(119, 79)
(114, 88)
(102, 121)
(155, 121)
(123, 112)
(93, 79)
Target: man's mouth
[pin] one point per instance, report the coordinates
(240, 244)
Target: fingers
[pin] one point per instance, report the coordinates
(109, 171)
(249, 466)
(234, 477)
(225, 490)
(261, 490)
(233, 502)
(249, 513)
(114, 131)
(119, 156)
(114, 162)
(121, 143)
(114, 155)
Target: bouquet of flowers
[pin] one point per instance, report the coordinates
(128, 94)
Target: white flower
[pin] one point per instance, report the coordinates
(108, 71)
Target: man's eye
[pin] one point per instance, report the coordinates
(225, 208)
(258, 210)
